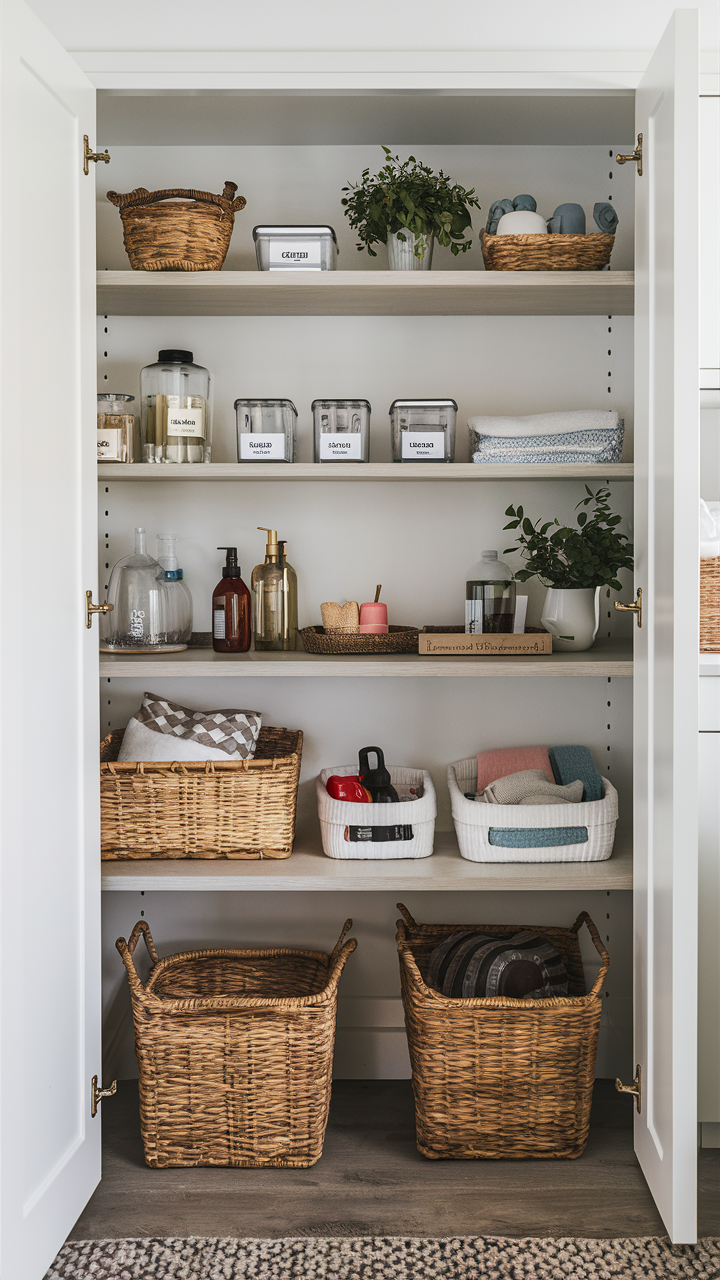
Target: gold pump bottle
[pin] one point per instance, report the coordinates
(274, 586)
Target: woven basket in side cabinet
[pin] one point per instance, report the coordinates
(546, 252)
(191, 233)
(710, 605)
(235, 1053)
(208, 809)
(500, 1079)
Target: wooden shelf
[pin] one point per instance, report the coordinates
(606, 658)
(330, 471)
(366, 293)
(308, 869)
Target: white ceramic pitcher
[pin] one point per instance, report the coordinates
(572, 616)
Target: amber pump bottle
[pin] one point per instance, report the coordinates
(231, 609)
(274, 586)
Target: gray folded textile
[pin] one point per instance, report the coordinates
(606, 217)
(572, 218)
(530, 786)
(496, 212)
(525, 202)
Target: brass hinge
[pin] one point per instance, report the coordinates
(635, 157)
(635, 1088)
(91, 609)
(96, 1095)
(635, 607)
(95, 156)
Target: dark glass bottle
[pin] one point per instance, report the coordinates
(231, 609)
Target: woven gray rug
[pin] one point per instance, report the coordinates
(387, 1258)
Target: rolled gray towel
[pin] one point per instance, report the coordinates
(525, 202)
(496, 212)
(606, 217)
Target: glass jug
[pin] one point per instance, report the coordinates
(175, 403)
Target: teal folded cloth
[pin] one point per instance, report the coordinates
(496, 212)
(536, 837)
(570, 763)
(525, 202)
(606, 217)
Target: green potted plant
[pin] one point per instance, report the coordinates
(408, 207)
(573, 563)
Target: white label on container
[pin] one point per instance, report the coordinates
(294, 255)
(423, 444)
(186, 422)
(257, 447)
(109, 444)
(341, 445)
(219, 623)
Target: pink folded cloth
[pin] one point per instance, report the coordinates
(505, 760)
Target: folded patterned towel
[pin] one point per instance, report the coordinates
(506, 760)
(575, 446)
(569, 763)
(530, 786)
(546, 424)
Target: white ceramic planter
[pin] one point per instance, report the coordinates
(572, 616)
(402, 256)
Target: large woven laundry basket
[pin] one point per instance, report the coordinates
(710, 604)
(235, 1052)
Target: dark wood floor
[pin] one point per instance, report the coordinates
(372, 1181)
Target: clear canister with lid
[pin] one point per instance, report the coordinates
(423, 430)
(489, 596)
(341, 430)
(115, 427)
(176, 409)
(266, 430)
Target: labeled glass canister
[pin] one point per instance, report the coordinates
(115, 427)
(489, 597)
(423, 430)
(341, 430)
(176, 409)
(266, 430)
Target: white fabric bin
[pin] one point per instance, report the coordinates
(474, 821)
(343, 824)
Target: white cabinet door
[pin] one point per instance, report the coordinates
(49, 822)
(666, 648)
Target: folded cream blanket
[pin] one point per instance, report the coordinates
(531, 786)
(547, 424)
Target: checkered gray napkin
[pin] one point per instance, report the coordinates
(234, 732)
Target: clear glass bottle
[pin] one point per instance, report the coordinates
(115, 427)
(341, 430)
(274, 585)
(489, 596)
(176, 409)
(266, 430)
(179, 618)
(141, 612)
(423, 430)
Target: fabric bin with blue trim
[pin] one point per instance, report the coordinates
(378, 831)
(583, 832)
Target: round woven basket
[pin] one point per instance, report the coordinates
(546, 252)
(192, 233)
(396, 640)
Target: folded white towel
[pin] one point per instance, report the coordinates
(547, 424)
(709, 530)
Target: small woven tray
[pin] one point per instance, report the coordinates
(396, 640)
(546, 252)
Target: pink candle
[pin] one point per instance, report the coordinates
(373, 618)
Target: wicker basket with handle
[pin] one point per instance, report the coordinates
(235, 1053)
(710, 604)
(494, 1078)
(546, 252)
(191, 233)
(208, 809)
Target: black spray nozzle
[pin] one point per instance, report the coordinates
(232, 568)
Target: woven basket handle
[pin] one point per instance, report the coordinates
(141, 196)
(409, 921)
(127, 950)
(338, 945)
(584, 919)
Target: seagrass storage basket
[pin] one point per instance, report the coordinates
(546, 252)
(494, 1078)
(710, 605)
(191, 233)
(208, 809)
(235, 1053)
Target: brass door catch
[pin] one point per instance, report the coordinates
(635, 1088)
(91, 608)
(95, 156)
(635, 157)
(635, 607)
(96, 1095)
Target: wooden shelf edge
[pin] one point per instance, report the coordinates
(364, 471)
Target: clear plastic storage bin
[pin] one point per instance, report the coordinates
(341, 430)
(423, 430)
(266, 430)
(286, 248)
